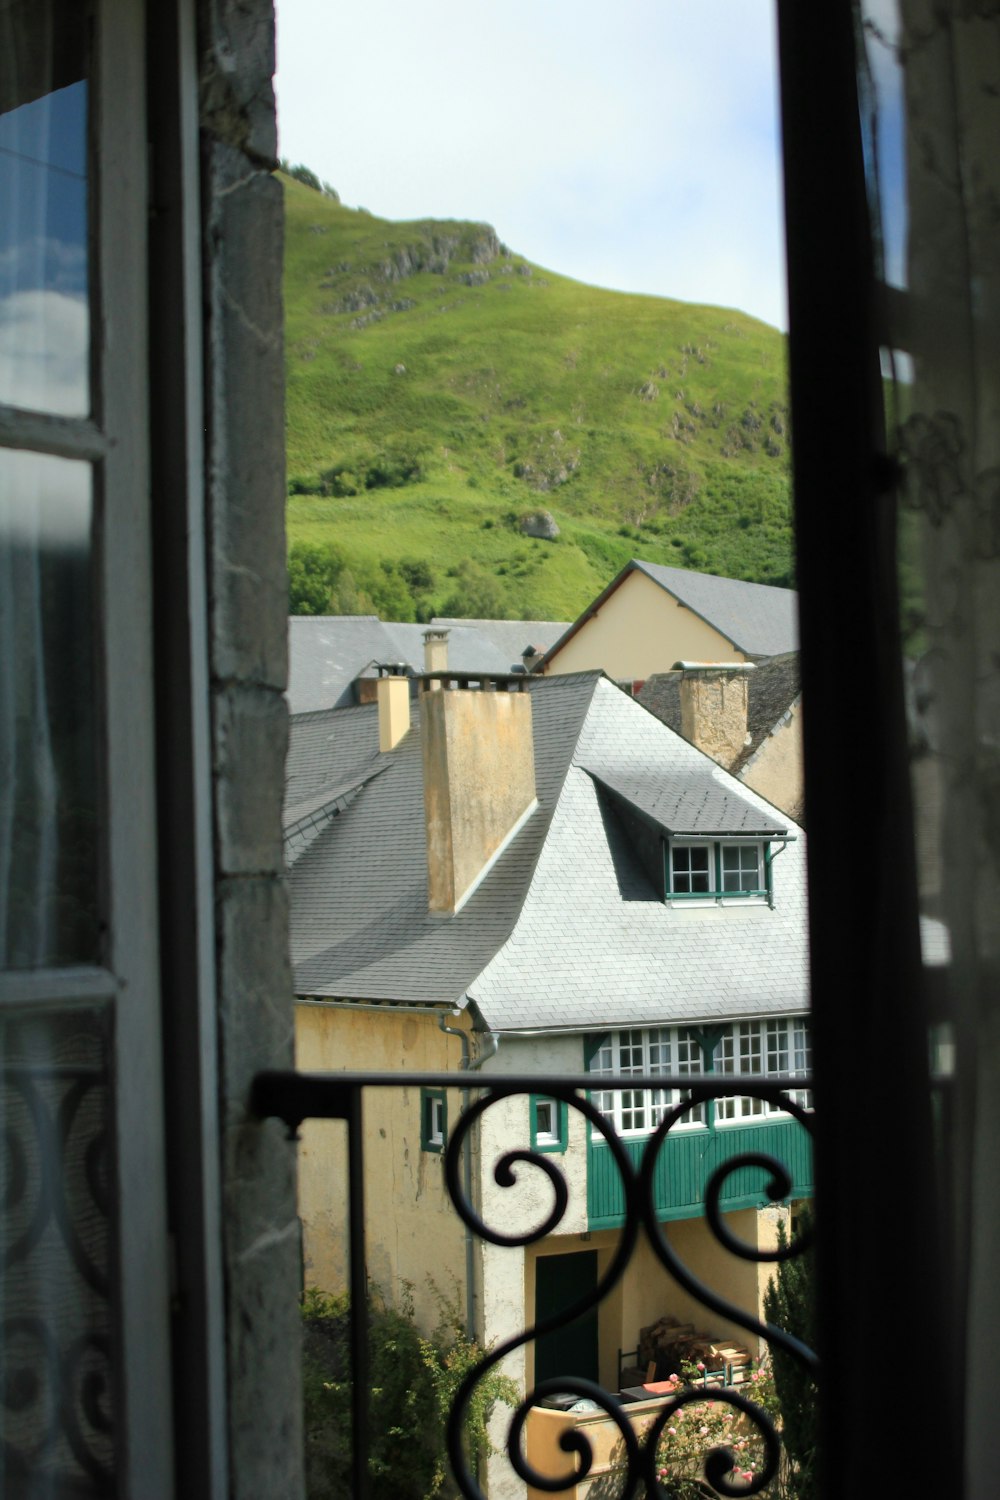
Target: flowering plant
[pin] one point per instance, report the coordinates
(697, 1424)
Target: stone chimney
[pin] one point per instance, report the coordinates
(479, 778)
(714, 699)
(435, 650)
(393, 694)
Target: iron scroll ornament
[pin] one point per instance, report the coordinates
(640, 1456)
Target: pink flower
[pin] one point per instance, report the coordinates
(755, 1375)
(703, 1432)
(701, 1364)
(676, 1379)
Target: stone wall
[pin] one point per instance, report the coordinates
(244, 460)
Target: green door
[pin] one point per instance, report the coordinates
(561, 1280)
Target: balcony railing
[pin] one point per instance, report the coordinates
(738, 1155)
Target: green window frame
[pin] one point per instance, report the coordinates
(549, 1123)
(713, 870)
(433, 1120)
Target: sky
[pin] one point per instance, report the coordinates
(633, 146)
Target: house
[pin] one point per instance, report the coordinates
(534, 875)
(650, 617)
(768, 754)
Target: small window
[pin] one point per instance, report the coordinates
(716, 870)
(433, 1119)
(548, 1124)
(741, 872)
(691, 869)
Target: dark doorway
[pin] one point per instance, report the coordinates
(561, 1280)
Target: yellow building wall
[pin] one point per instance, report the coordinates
(641, 629)
(775, 768)
(413, 1233)
(648, 1292)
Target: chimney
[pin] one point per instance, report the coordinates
(435, 650)
(479, 777)
(714, 707)
(531, 656)
(393, 693)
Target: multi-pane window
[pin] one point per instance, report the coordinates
(664, 1049)
(760, 1048)
(764, 1048)
(715, 869)
(741, 868)
(691, 867)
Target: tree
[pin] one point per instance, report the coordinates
(790, 1303)
(313, 571)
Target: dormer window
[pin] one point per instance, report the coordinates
(717, 870)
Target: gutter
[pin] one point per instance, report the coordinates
(469, 1065)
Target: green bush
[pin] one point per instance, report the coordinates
(413, 1381)
(313, 572)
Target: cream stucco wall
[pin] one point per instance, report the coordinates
(641, 629)
(775, 768)
(412, 1231)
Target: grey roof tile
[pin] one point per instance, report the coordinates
(327, 652)
(566, 930)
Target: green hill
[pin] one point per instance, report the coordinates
(440, 389)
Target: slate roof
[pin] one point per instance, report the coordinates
(327, 652)
(688, 800)
(757, 618)
(773, 688)
(565, 931)
(510, 637)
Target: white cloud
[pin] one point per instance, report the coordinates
(617, 146)
(44, 350)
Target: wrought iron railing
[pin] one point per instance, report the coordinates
(56, 1418)
(296, 1097)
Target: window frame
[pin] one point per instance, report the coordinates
(631, 1102)
(433, 1120)
(556, 1139)
(717, 895)
(763, 1060)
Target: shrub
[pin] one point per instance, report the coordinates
(414, 1379)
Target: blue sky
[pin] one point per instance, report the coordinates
(634, 147)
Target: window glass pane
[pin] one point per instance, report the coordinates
(48, 758)
(44, 318)
(55, 1312)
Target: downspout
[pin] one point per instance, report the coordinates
(469, 1065)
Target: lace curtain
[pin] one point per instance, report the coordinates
(931, 92)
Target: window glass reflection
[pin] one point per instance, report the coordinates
(48, 775)
(44, 316)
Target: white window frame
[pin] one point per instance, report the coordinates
(770, 1047)
(646, 1051)
(717, 895)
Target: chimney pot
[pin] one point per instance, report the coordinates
(435, 650)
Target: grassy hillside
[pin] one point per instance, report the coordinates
(441, 389)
